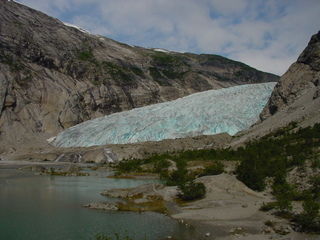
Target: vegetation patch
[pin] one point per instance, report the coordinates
(154, 205)
(166, 66)
(274, 154)
(14, 64)
(158, 77)
(215, 168)
(192, 191)
(166, 60)
(269, 157)
(86, 55)
(137, 71)
(117, 72)
(219, 61)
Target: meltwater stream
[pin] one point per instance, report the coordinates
(49, 207)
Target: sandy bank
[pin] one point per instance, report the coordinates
(230, 210)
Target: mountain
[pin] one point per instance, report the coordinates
(54, 76)
(227, 110)
(296, 97)
(302, 78)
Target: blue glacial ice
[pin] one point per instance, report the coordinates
(215, 111)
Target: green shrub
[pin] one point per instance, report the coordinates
(309, 219)
(284, 203)
(192, 191)
(315, 187)
(215, 169)
(178, 177)
(268, 206)
(161, 165)
(129, 165)
(86, 55)
(252, 174)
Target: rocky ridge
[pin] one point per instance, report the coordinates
(53, 76)
(301, 78)
(295, 98)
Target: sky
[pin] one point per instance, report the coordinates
(266, 34)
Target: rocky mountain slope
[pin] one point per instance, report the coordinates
(296, 97)
(301, 78)
(53, 76)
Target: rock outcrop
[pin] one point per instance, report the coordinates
(295, 98)
(302, 78)
(53, 76)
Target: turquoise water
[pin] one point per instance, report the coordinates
(49, 208)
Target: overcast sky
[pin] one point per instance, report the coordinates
(266, 34)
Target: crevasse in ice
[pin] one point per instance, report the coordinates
(215, 111)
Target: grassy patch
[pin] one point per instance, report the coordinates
(86, 55)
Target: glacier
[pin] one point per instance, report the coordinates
(211, 112)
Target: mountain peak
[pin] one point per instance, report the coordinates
(311, 55)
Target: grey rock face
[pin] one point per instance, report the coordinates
(53, 76)
(311, 55)
(302, 77)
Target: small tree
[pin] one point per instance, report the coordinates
(284, 194)
(192, 191)
(309, 219)
(283, 203)
(214, 169)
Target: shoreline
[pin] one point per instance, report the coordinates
(229, 214)
(220, 215)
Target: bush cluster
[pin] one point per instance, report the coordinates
(191, 191)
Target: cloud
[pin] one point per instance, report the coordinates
(266, 34)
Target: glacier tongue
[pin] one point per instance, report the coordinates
(215, 111)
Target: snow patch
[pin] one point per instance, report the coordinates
(161, 50)
(50, 140)
(74, 26)
(211, 112)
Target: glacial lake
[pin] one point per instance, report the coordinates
(50, 208)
